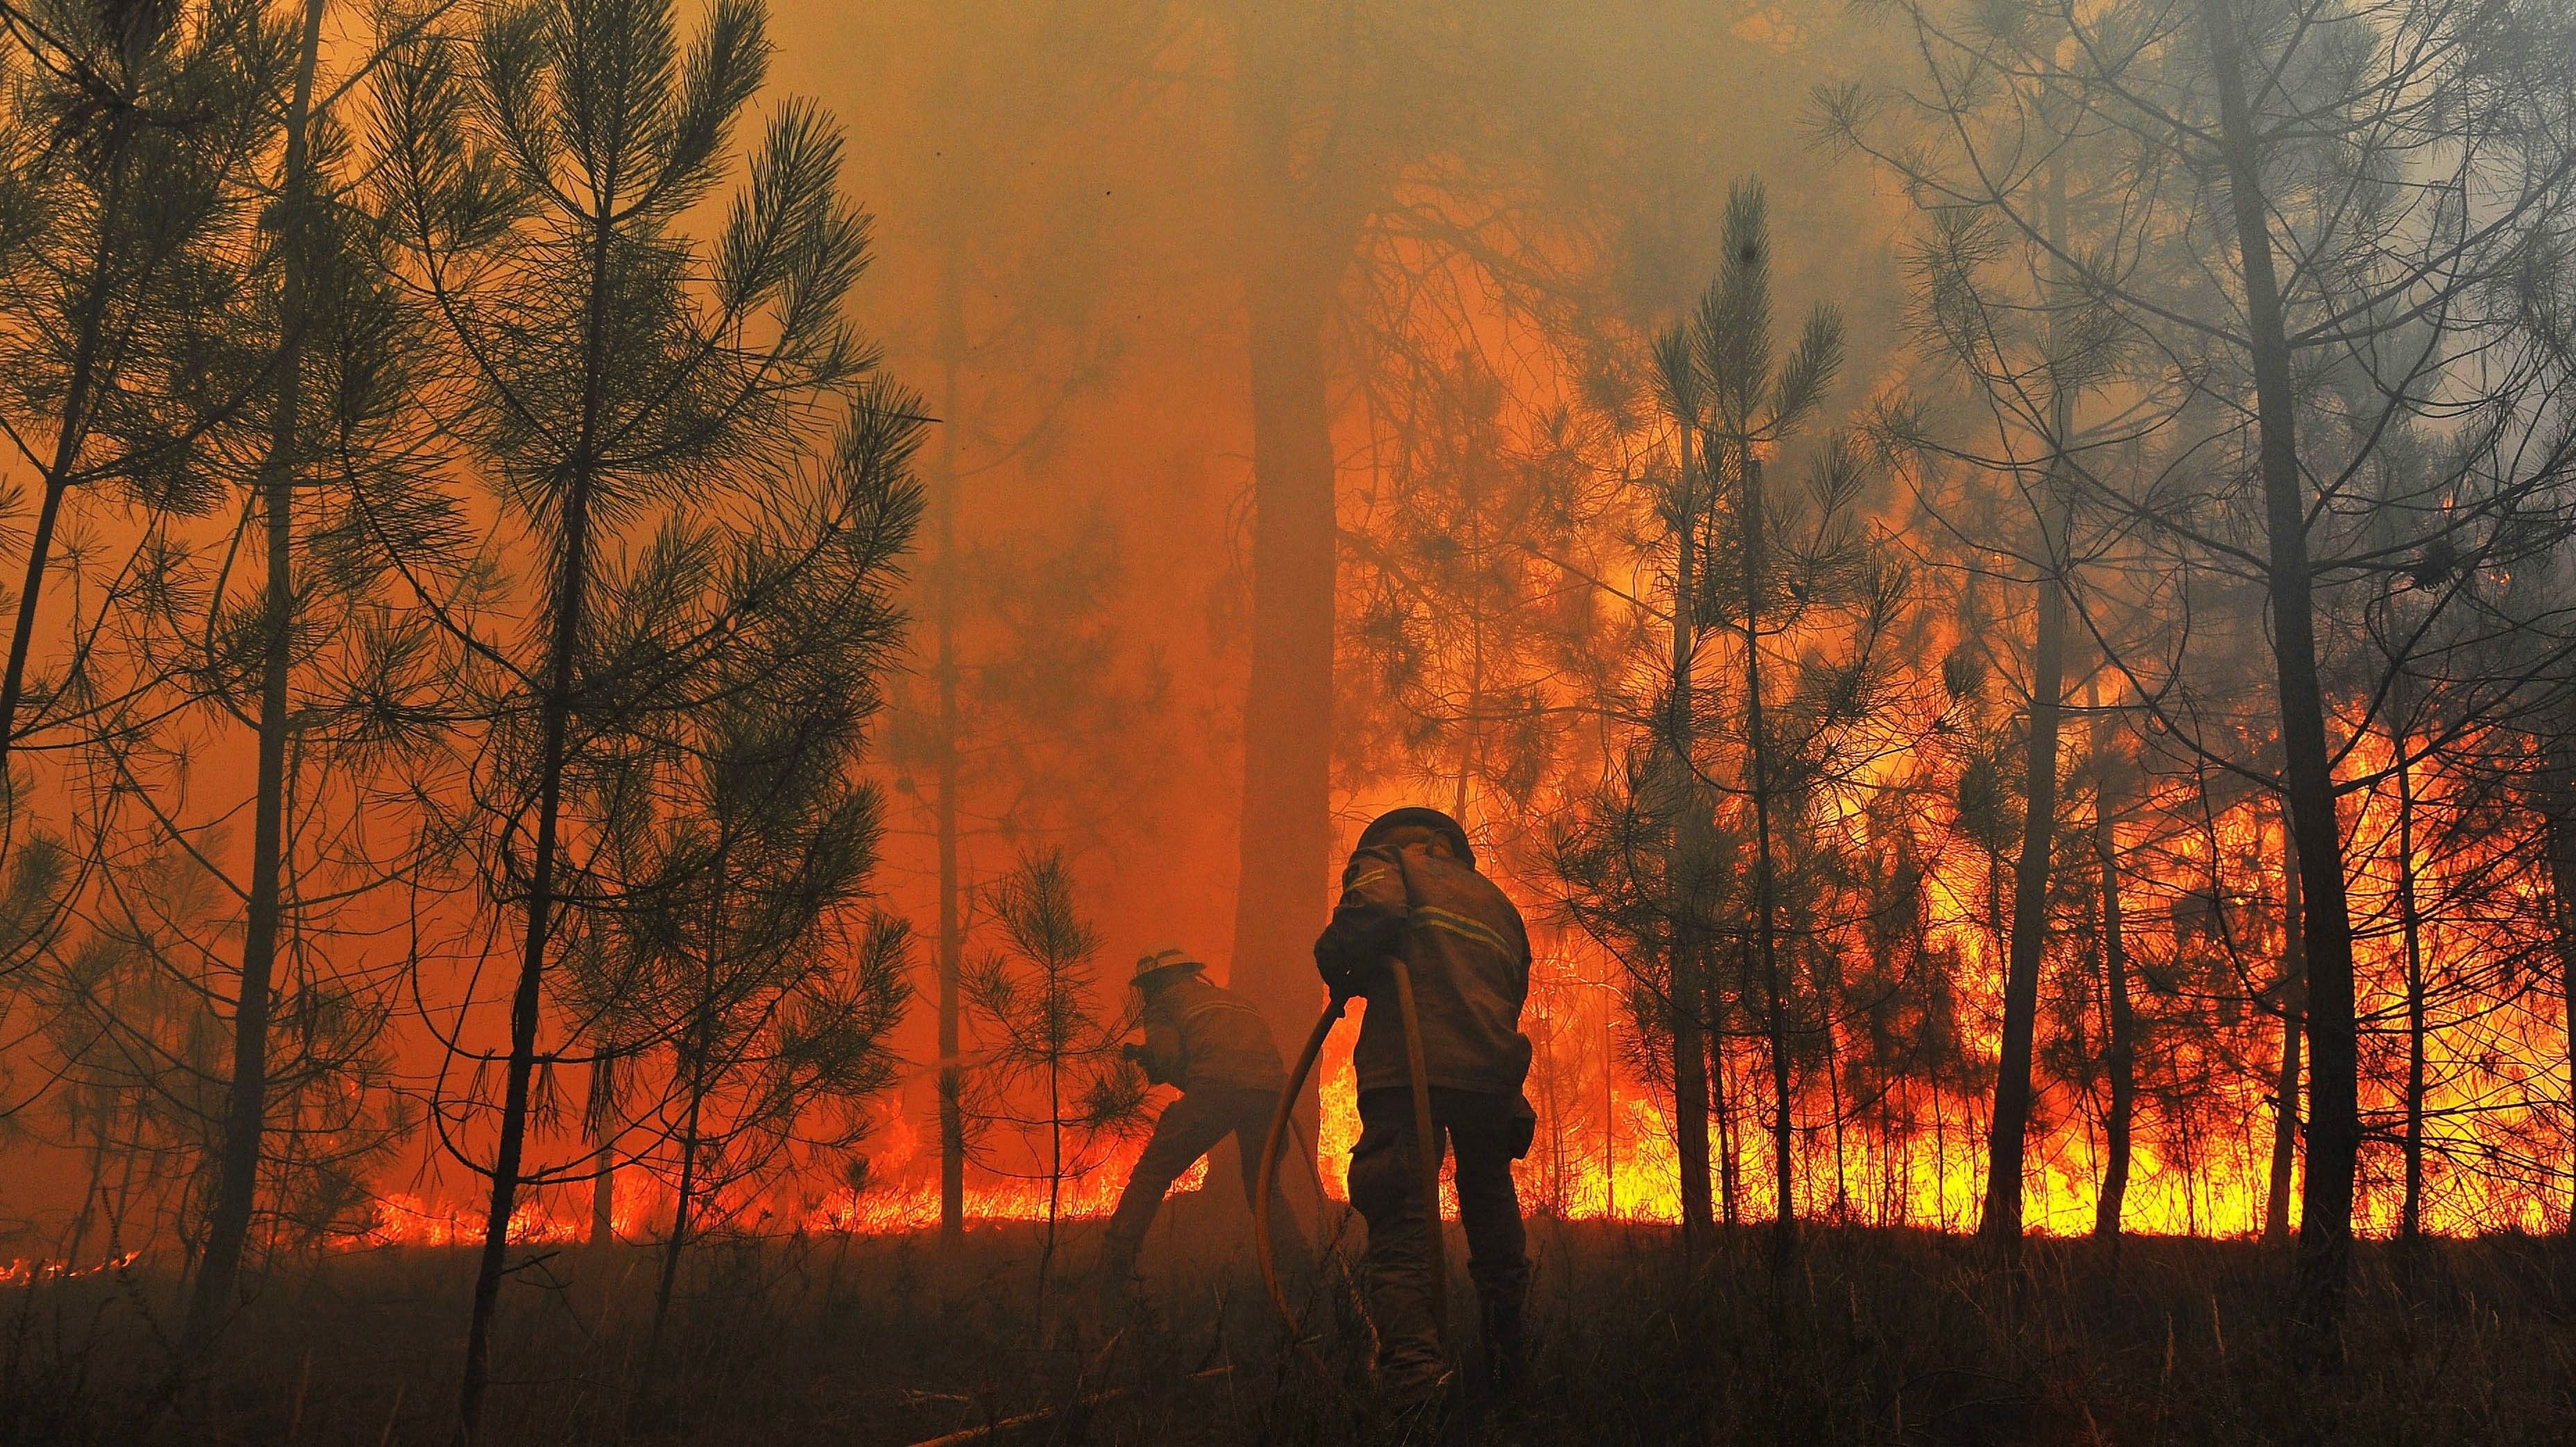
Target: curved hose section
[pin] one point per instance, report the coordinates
(1426, 1147)
(1426, 1150)
(1267, 1184)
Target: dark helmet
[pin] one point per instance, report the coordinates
(1416, 816)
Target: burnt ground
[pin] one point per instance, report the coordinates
(1870, 1336)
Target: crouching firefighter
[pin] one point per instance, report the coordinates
(1218, 1050)
(1411, 894)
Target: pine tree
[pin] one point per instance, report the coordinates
(750, 986)
(125, 256)
(608, 367)
(1045, 1035)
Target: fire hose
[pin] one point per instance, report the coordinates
(1426, 1144)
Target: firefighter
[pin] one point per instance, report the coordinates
(1218, 1050)
(1411, 890)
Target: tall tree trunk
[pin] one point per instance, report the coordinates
(2008, 1145)
(1690, 1101)
(2410, 1218)
(2555, 784)
(1685, 865)
(672, 1248)
(1055, 1168)
(1730, 1186)
(572, 575)
(1609, 1107)
(700, 1065)
(1286, 824)
(2011, 1126)
(599, 1115)
(2121, 1058)
(2285, 1081)
(237, 1178)
(2307, 779)
(1829, 995)
(952, 931)
(1766, 925)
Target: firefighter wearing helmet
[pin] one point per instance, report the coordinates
(1217, 1049)
(1411, 892)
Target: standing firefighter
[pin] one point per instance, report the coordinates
(1411, 892)
(1218, 1050)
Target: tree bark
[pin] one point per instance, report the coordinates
(572, 575)
(2410, 1217)
(1730, 1191)
(2121, 1059)
(2555, 785)
(2334, 1069)
(245, 1116)
(599, 1113)
(2011, 1125)
(2285, 1081)
(2009, 1143)
(1684, 866)
(699, 1063)
(952, 932)
(679, 1222)
(1766, 927)
(1285, 823)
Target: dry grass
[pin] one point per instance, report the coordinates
(1874, 1337)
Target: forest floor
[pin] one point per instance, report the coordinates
(1873, 1336)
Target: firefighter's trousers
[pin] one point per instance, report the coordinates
(1386, 1188)
(1190, 1127)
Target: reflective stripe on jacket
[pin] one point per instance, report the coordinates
(1469, 956)
(1198, 1035)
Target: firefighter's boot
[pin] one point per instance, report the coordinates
(1506, 1350)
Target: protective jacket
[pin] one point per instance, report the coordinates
(1469, 957)
(1200, 1037)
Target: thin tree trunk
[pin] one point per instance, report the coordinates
(2410, 1218)
(952, 932)
(1556, 1159)
(679, 1215)
(2009, 1143)
(1784, 1229)
(2011, 1126)
(600, 1113)
(1730, 1185)
(72, 429)
(2334, 1070)
(237, 1180)
(1683, 867)
(703, 1073)
(2556, 786)
(1609, 1109)
(2285, 1083)
(555, 715)
(1055, 1173)
(2122, 1055)
(1834, 1093)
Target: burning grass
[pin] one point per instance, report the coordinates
(1876, 1336)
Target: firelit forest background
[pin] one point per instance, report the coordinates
(622, 615)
